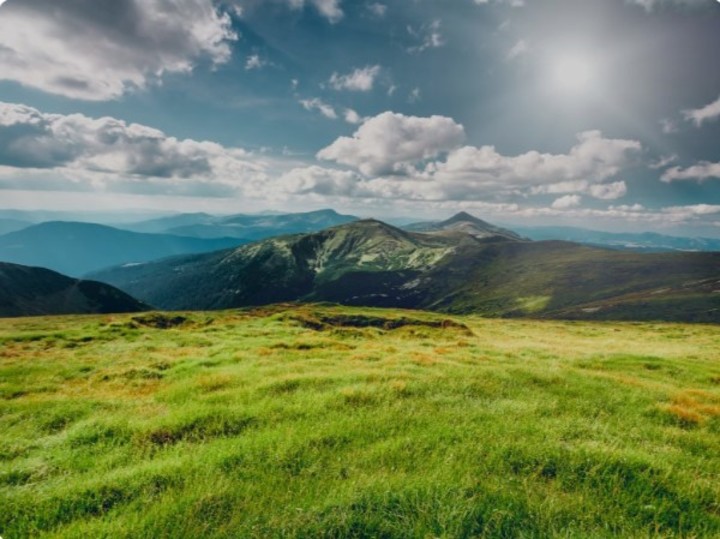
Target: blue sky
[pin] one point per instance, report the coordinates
(603, 113)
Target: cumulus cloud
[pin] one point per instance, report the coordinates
(390, 142)
(593, 160)
(704, 114)
(609, 191)
(360, 80)
(700, 172)
(111, 150)
(101, 49)
(568, 201)
(320, 181)
(398, 156)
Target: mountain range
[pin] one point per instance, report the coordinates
(488, 271)
(251, 227)
(26, 291)
(642, 242)
(78, 248)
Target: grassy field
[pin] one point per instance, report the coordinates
(320, 421)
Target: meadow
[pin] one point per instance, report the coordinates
(325, 421)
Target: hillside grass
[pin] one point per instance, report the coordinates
(321, 421)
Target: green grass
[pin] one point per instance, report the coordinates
(320, 421)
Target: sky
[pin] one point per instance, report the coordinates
(596, 113)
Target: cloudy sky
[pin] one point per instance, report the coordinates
(603, 113)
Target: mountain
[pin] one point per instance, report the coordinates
(279, 269)
(370, 263)
(78, 248)
(254, 227)
(465, 223)
(163, 224)
(26, 291)
(11, 225)
(645, 241)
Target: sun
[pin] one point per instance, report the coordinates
(572, 74)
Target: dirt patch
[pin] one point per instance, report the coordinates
(157, 321)
(321, 322)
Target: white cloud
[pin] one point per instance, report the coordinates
(609, 191)
(108, 151)
(429, 36)
(392, 151)
(414, 96)
(700, 172)
(255, 62)
(352, 117)
(318, 104)
(664, 161)
(390, 142)
(320, 181)
(360, 80)
(377, 9)
(330, 9)
(593, 160)
(568, 201)
(101, 50)
(704, 114)
(327, 110)
(519, 49)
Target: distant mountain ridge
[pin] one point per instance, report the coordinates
(370, 263)
(636, 241)
(465, 223)
(12, 225)
(78, 248)
(253, 227)
(27, 291)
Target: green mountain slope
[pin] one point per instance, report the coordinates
(279, 269)
(370, 263)
(26, 291)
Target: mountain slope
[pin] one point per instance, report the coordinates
(373, 264)
(467, 224)
(278, 269)
(26, 291)
(78, 248)
(255, 227)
